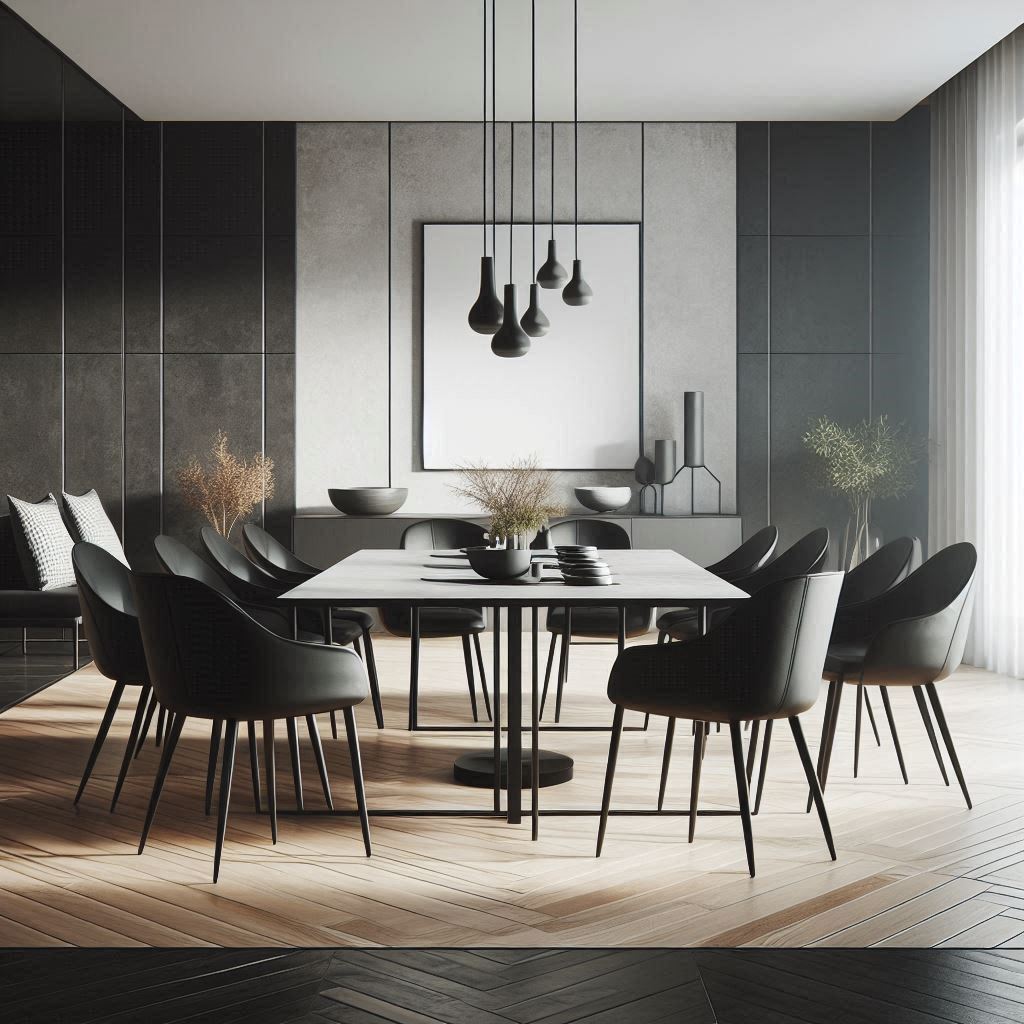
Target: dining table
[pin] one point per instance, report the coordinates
(417, 579)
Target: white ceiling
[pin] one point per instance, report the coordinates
(311, 60)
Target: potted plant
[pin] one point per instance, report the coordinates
(863, 463)
(520, 500)
(230, 488)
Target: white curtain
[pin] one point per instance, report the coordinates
(977, 340)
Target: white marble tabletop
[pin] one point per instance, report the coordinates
(381, 578)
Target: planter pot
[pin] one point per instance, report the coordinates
(499, 563)
(368, 501)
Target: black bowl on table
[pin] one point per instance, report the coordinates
(499, 563)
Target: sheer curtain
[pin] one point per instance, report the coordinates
(977, 340)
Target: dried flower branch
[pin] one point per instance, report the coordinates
(230, 489)
(520, 500)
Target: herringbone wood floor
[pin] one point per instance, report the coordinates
(915, 867)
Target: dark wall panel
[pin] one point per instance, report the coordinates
(30, 425)
(142, 455)
(204, 394)
(30, 308)
(280, 442)
(752, 439)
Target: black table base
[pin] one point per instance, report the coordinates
(477, 769)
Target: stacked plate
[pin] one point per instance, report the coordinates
(581, 566)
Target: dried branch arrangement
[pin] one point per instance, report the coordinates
(229, 488)
(520, 500)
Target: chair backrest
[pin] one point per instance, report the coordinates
(878, 573)
(234, 566)
(599, 532)
(12, 576)
(441, 535)
(749, 556)
(763, 661)
(805, 557)
(209, 659)
(108, 613)
(918, 629)
(270, 554)
(179, 560)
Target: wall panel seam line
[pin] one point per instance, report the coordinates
(63, 285)
(390, 325)
(768, 424)
(160, 453)
(871, 269)
(263, 309)
(643, 211)
(124, 361)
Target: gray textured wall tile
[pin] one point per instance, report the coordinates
(280, 442)
(752, 178)
(92, 445)
(804, 388)
(819, 178)
(899, 298)
(92, 293)
(204, 394)
(752, 437)
(900, 162)
(142, 459)
(279, 296)
(142, 293)
(819, 299)
(30, 309)
(30, 423)
(752, 291)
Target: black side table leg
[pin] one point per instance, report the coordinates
(515, 715)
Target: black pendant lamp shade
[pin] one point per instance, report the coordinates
(511, 341)
(486, 315)
(534, 322)
(577, 292)
(552, 274)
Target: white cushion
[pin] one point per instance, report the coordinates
(92, 524)
(43, 542)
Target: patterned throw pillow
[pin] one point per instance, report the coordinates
(43, 542)
(91, 523)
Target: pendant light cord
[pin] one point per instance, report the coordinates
(533, 133)
(576, 126)
(483, 124)
(494, 133)
(511, 191)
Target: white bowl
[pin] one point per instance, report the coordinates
(604, 499)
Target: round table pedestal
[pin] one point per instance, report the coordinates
(477, 769)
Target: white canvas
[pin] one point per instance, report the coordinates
(574, 399)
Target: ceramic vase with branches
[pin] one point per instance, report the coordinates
(863, 463)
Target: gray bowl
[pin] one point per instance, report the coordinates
(604, 499)
(368, 501)
(500, 563)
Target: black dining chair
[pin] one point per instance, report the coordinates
(178, 560)
(112, 628)
(806, 556)
(250, 581)
(270, 555)
(209, 659)
(762, 663)
(466, 622)
(749, 556)
(585, 623)
(911, 635)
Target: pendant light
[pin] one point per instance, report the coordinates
(534, 322)
(511, 341)
(486, 314)
(552, 274)
(577, 292)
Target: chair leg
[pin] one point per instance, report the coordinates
(293, 750)
(483, 676)
(227, 771)
(812, 781)
(161, 777)
(254, 767)
(133, 739)
(271, 771)
(662, 636)
(609, 777)
(211, 765)
(927, 719)
(76, 658)
(101, 735)
(563, 664)
(736, 735)
(467, 657)
(318, 754)
(24, 640)
(825, 719)
(895, 736)
(764, 763)
(150, 711)
(856, 729)
(334, 725)
(940, 717)
(547, 672)
(698, 760)
(666, 760)
(161, 725)
(371, 672)
(357, 777)
(871, 718)
(414, 668)
(829, 741)
(752, 751)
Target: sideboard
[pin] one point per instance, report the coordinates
(323, 539)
